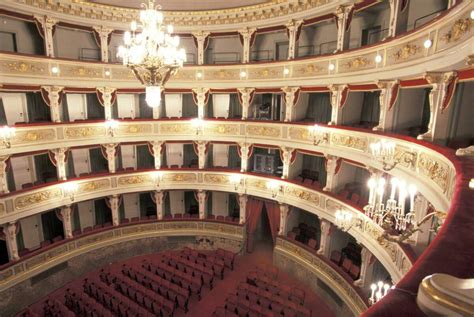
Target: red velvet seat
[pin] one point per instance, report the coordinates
(355, 199)
(336, 257)
(354, 271)
(313, 244)
(291, 235)
(346, 265)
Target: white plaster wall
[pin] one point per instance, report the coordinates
(347, 174)
(26, 41)
(81, 161)
(32, 231)
(268, 41)
(301, 107)
(15, 107)
(86, 213)
(220, 155)
(69, 42)
(23, 170)
(462, 125)
(353, 108)
(419, 8)
(229, 46)
(128, 156)
(322, 36)
(131, 203)
(296, 167)
(176, 201)
(220, 203)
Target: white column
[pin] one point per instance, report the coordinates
(10, 239)
(54, 93)
(245, 95)
(107, 97)
(243, 198)
(290, 95)
(110, 150)
(398, 19)
(292, 27)
(201, 99)
(325, 243)
(452, 3)
(114, 207)
(385, 98)
(104, 33)
(246, 36)
(286, 155)
(366, 267)
(336, 99)
(47, 24)
(201, 38)
(245, 156)
(342, 14)
(66, 213)
(157, 153)
(201, 195)
(284, 211)
(160, 204)
(331, 166)
(60, 158)
(202, 155)
(3, 175)
(438, 126)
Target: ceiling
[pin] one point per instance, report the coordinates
(184, 5)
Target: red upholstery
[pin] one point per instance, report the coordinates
(312, 243)
(336, 257)
(346, 265)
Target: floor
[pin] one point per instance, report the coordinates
(262, 255)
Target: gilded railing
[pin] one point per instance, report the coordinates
(402, 57)
(391, 255)
(421, 164)
(322, 270)
(32, 265)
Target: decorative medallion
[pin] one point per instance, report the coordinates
(459, 28)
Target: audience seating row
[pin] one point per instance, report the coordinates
(346, 264)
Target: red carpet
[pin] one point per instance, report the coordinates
(222, 288)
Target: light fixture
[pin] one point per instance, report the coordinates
(275, 188)
(331, 67)
(318, 134)
(199, 75)
(197, 124)
(428, 43)
(7, 133)
(243, 74)
(107, 73)
(70, 189)
(286, 71)
(54, 70)
(378, 58)
(472, 15)
(384, 152)
(378, 291)
(111, 126)
(152, 53)
(344, 220)
(236, 180)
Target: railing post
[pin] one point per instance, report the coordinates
(247, 35)
(294, 29)
(243, 198)
(10, 231)
(325, 243)
(104, 34)
(201, 40)
(111, 152)
(114, 202)
(60, 160)
(160, 204)
(54, 96)
(202, 197)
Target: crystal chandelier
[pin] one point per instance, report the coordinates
(151, 52)
(378, 291)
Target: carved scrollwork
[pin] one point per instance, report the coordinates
(457, 31)
(406, 52)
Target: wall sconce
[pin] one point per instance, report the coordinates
(70, 189)
(378, 291)
(111, 126)
(318, 135)
(7, 133)
(384, 152)
(237, 180)
(275, 187)
(157, 177)
(198, 125)
(345, 220)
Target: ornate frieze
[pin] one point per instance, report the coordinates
(434, 169)
(406, 52)
(346, 140)
(84, 132)
(457, 30)
(260, 130)
(36, 198)
(35, 135)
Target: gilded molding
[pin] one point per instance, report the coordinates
(263, 131)
(356, 143)
(226, 129)
(180, 177)
(407, 51)
(457, 31)
(437, 171)
(82, 132)
(94, 185)
(216, 179)
(134, 180)
(34, 136)
(304, 195)
(37, 198)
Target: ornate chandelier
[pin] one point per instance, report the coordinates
(151, 52)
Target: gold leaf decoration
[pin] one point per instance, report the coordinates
(263, 131)
(458, 29)
(349, 141)
(216, 178)
(406, 52)
(94, 185)
(133, 180)
(77, 133)
(433, 169)
(34, 136)
(37, 198)
(356, 63)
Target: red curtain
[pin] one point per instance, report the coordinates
(254, 210)
(273, 212)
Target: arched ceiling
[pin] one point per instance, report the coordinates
(184, 5)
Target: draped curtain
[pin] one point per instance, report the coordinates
(94, 109)
(144, 158)
(103, 214)
(147, 206)
(319, 107)
(370, 108)
(273, 213)
(45, 170)
(254, 210)
(3, 116)
(52, 226)
(38, 110)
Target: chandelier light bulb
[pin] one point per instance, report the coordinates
(54, 70)
(378, 58)
(427, 43)
(153, 96)
(133, 26)
(286, 71)
(472, 15)
(331, 66)
(243, 74)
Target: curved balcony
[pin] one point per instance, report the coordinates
(431, 168)
(402, 57)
